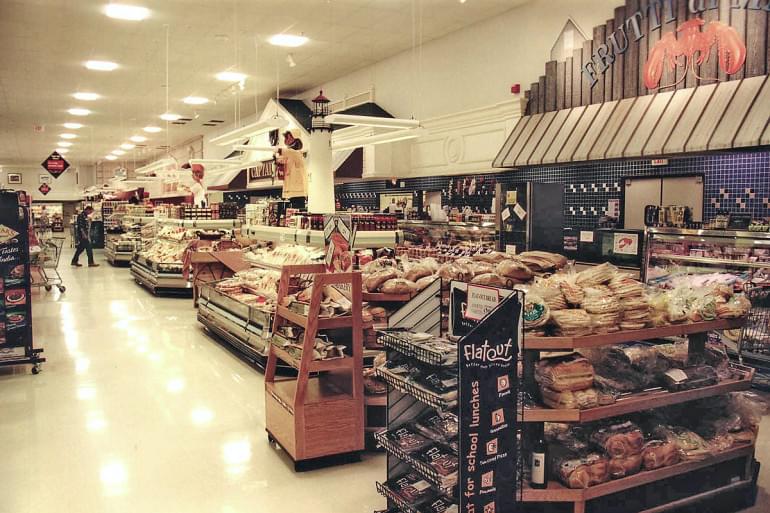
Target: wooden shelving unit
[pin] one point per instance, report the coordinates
(533, 417)
(320, 412)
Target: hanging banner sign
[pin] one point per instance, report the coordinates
(488, 452)
(44, 189)
(55, 164)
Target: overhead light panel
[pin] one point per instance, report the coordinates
(289, 40)
(62, 150)
(101, 65)
(152, 129)
(118, 152)
(79, 112)
(111, 157)
(231, 76)
(88, 97)
(195, 100)
(352, 120)
(73, 126)
(128, 146)
(64, 144)
(67, 135)
(167, 116)
(388, 137)
(126, 12)
(138, 138)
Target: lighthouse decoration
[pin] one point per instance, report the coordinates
(320, 172)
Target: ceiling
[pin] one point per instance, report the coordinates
(45, 43)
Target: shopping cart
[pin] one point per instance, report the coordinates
(754, 343)
(45, 265)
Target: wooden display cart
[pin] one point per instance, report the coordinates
(320, 412)
(534, 417)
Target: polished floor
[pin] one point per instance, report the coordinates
(138, 410)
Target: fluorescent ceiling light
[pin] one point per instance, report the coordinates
(73, 126)
(138, 138)
(231, 76)
(88, 97)
(289, 40)
(118, 152)
(67, 135)
(195, 100)
(248, 131)
(152, 129)
(246, 147)
(167, 116)
(126, 12)
(62, 150)
(64, 144)
(349, 119)
(79, 112)
(101, 65)
(111, 157)
(128, 146)
(388, 137)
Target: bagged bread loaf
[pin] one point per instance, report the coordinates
(540, 261)
(514, 270)
(659, 453)
(573, 292)
(489, 279)
(624, 467)
(423, 283)
(572, 323)
(417, 271)
(689, 444)
(569, 373)
(619, 440)
(398, 286)
(536, 312)
(597, 275)
(578, 399)
(576, 470)
(373, 282)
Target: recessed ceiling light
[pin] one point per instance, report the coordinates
(64, 144)
(73, 126)
(128, 146)
(118, 152)
(67, 135)
(289, 40)
(111, 157)
(152, 129)
(62, 150)
(230, 76)
(138, 138)
(101, 65)
(79, 112)
(89, 97)
(195, 100)
(169, 116)
(126, 12)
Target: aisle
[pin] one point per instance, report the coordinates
(137, 410)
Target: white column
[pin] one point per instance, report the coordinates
(320, 174)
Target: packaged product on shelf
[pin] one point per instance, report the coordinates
(690, 445)
(374, 281)
(440, 458)
(542, 261)
(567, 373)
(572, 323)
(373, 385)
(411, 488)
(659, 453)
(597, 275)
(489, 279)
(398, 286)
(438, 505)
(604, 309)
(407, 439)
(536, 312)
(423, 283)
(514, 270)
(417, 271)
(550, 293)
(578, 470)
(749, 406)
(440, 427)
(572, 437)
(443, 382)
(619, 440)
(688, 378)
(577, 399)
(573, 292)
(493, 257)
(624, 467)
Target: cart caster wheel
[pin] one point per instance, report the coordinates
(62, 288)
(48, 288)
(36, 369)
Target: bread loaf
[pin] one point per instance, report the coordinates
(577, 471)
(515, 270)
(659, 453)
(490, 279)
(417, 271)
(572, 373)
(622, 467)
(374, 281)
(398, 286)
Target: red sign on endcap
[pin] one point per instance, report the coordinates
(55, 164)
(44, 189)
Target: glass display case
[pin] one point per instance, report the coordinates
(671, 251)
(450, 233)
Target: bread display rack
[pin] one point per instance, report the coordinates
(533, 418)
(320, 412)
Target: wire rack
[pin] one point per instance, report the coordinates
(421, 394)
(404, 506)
(444, 484)
(754, 345)
(400, 341)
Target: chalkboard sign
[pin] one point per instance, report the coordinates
(487, 410)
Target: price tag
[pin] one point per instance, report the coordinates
(510, 249)
(519, 211)
(586, 236)
(481, 300)
(505, 214)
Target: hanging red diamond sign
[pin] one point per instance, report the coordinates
(44, 189)
(55, 164)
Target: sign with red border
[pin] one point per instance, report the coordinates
(55, 164)
(44, 189)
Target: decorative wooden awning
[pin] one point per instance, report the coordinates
(710, 117)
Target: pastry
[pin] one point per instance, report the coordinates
(619, 440)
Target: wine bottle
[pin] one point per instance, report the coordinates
(539, 470)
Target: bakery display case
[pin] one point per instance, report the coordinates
(288, 235)
(676, 251)
(450, 235)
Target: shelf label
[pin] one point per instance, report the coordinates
(625, 243)
(505, 214)
(481, 301)
(586, 236)
(487, 410)
(519, 211)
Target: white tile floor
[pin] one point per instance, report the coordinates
(138, 410)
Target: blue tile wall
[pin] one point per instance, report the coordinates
(736, 182)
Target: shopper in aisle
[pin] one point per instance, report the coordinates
(82, 234)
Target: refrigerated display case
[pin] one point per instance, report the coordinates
(431, 233)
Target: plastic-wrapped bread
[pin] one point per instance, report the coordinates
(489, 279)
(597, 275)
(423, 283)
(536, 312)
(624, 467)
(543, 260)
(398, 286)
(659, 453)
(493, 257)
(373, 282)
(573, 322)
(560, 374)
(573, 292)
(578, 399)
(576, 470)
(619, 440)
(514, 270)
(417, 271)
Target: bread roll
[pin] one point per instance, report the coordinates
(577, 471)
(373, 282)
